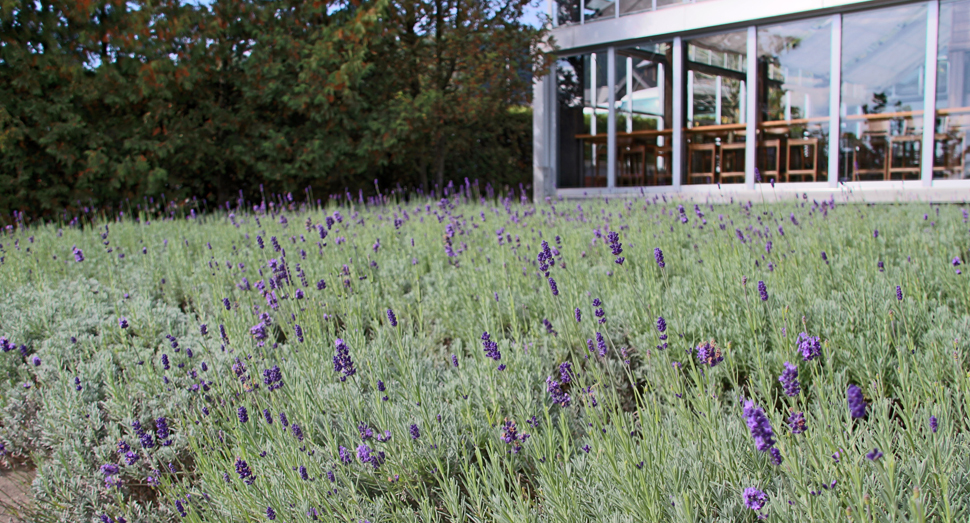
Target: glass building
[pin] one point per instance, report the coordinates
(668, 95)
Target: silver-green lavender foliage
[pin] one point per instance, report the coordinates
(653, 430)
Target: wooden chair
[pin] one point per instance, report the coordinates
(904, 157)
(633, 161)
(732, 162)
(948, 155)
(870, 157)
(659, 173)
(802, 159)
(597, 176)
(701, 162)
(769, 159)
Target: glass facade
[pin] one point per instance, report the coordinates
(794, 64)
(952, 91)
(582, 115)
(715, 117)
(643, 110)
(678, 109)
(883, 66)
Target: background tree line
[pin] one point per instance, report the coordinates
(106, 100)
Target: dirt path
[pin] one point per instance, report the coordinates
(14, 492)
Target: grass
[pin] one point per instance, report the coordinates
(640, 428)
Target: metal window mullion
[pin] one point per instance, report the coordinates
(582, 12)
(611, 118)
(835, 100)
(929, 93)
(677, 131)
(751, 122)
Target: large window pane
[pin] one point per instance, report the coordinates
(567, 12)
(643, 107)
(583, 109)
(952, 91)
(883, 67)
(600, 9)
(715, 130)
(794, 61)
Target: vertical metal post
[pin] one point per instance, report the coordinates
(629, 94)
(677, 134)
(582, 12)
(751, 122)
(611, 117)
(616, 8)
(929, 94)
(835, 100)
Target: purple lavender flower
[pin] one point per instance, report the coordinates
(283, 421)
(226, 304)
(297, 432)
(708, 353)
(344, 455)
(662, 329)
(303, 473)
(161, 428)
(565, 372)
(775, 456)
(490, 347)
(258, 331)
(555, 391)
(881, 266)
(899, 293)
(755, 499)
(763, 290)
(78, 255)
(810, 346)
(203, 329)
(579, 315)
(222, 333)
(123, 322)
(825, 258)
(245, 474)
(180, 508)
(268, 416)
(342, 362)
(796, 422)
(553, 287)
(35, 359)
(857, 404)
(321, 285)
(934, 424)
(299, 332)
(391, 318)
(875, 233)
(415, 433)
(659, 256)
(365, 431)
(874, 455)
(601, 344)
(511, 436)
(454, 360)
(759, 426)
(549, 329)
(789, 380)
(242, 414)
(165, 363)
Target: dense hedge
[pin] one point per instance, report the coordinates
(107, 101)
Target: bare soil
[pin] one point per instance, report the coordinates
(14, 492)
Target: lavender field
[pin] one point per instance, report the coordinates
(481, 358)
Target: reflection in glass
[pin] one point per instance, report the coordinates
(567, 12)
(643, 107)
(952, 91)
(582, 102)
(715, 130)
(794, 59)
(600, 9)
(883, 59)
